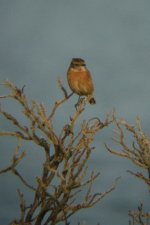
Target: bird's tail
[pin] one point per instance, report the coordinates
(92, 101)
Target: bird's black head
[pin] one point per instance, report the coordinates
(76, 62)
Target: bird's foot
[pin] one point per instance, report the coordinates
(79, 103)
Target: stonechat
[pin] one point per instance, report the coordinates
(80, 80)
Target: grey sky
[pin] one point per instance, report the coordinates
(38, 40)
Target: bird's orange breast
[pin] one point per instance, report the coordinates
(80, 82)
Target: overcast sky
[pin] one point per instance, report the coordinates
(38, 39)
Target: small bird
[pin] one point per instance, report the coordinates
(80, 80)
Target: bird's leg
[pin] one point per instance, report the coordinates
(80, 100)
(76, 105)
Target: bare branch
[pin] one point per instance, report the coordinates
(60, 102)
(64, 171)
(138, 151)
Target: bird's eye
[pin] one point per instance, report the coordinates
(75, 64)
